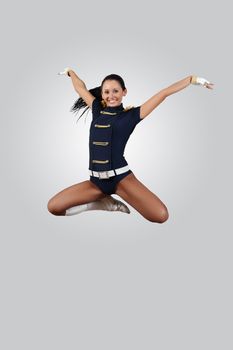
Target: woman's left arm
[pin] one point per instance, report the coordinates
(154, 101)
(179, 85)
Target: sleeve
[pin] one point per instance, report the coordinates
(136, 115)
(96, 108)
(133, 118)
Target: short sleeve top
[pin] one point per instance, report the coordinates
(113, 125)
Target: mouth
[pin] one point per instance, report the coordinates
(112, 101)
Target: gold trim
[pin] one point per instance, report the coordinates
(114, 113)
(100, 161)
(110, 113)
(100, 143)
(102, 126)
(127, 108)
(194, 79)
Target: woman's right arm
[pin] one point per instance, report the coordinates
(81, 88)
(77, 82)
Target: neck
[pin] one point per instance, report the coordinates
(115, 108)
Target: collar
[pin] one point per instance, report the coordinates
(118, 108)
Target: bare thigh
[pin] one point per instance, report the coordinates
(142, 199)
(83, 192)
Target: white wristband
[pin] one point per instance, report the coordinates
(199, 81)
(65, 71)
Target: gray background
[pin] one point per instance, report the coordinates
(102, 280)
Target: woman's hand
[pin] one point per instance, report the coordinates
(201, 81)
(209, 85)
(66, 71)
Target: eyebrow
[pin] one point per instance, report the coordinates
(113, 89)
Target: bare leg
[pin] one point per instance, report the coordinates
(81, 193)
(82, 197)
(142, 199)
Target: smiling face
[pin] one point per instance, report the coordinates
(112, 93)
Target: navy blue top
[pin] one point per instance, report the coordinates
(109, 132)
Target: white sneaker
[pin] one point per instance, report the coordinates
(113, 204)
(107, 203)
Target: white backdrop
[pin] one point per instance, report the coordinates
(102, 280)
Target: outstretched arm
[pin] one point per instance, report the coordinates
(179, 85)
(79, 86)
(154, 101)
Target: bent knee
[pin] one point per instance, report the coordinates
(160, 217)
(163, 216)
(54, 209)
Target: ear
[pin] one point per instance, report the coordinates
(125, 92)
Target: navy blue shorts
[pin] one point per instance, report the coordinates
(108, 186)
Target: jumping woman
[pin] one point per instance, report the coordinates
(110, 129)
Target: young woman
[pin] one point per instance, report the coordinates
(111, 126)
